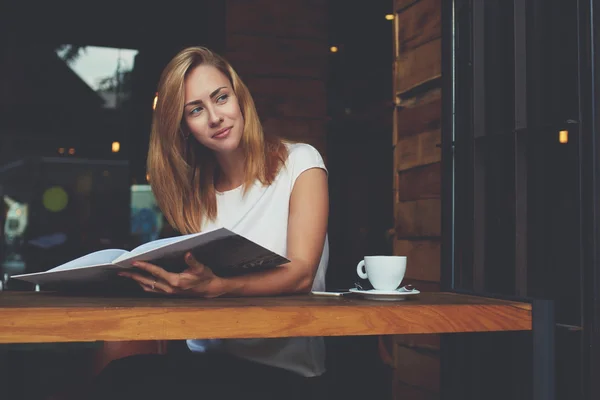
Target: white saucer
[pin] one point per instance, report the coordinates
(386, 295)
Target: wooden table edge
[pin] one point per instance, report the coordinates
(71, 324)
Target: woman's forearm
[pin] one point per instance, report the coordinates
(294, 277)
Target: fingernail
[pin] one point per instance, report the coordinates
(135, 264)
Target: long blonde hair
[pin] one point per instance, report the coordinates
(182, 171)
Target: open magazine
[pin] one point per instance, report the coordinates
(225, 252)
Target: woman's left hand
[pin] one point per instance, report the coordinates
(198, 279)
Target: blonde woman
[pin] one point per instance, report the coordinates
(211, 165)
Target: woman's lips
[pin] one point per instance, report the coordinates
(222, 133)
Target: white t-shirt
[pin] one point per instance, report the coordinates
(262, 216)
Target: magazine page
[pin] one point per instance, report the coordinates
(96, 258)
(159, 243)
(96, 273)
(237, 255)
(222, 250)
(173, 248)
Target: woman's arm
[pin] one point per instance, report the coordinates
(307, 227)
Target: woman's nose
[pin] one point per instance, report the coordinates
(215, 119)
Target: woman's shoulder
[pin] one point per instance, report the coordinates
(301, 157)
(303, 152)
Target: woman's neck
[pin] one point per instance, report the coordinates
(231, 170)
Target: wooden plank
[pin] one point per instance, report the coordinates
(419, 66)
(395, 127)
(420, 183)
(288, 97)
(423, 261)
(417, 369)
(402, 5)
(430, 147)
(417, 150)
(396, 83)
(276, 56)
(423, 116)
(413, 99)
(418, 218)
(402, 391)
(306, 18)
(406, 153)
(418, 25)
(396, 43)
(33, 317)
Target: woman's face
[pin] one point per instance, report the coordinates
(212, 112)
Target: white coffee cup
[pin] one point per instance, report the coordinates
(384, 272)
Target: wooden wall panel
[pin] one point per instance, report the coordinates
(420, 25)
(288, 97)
(418, 150)
(311, 131)
(418, 218)
(277, 56)
(292, 18)
(420, 183)
(425, 116)
(401, 5)
(295, 129)
(280, 51)
(416, 141)
(419, 66)
(423, 261)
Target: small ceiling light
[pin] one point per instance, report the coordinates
(333, 49)
(563, 137)
(389, 17)
(116, 146)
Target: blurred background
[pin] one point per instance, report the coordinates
(460, 133)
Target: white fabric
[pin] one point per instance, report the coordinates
(262, 216)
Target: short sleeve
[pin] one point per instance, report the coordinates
(303, 157)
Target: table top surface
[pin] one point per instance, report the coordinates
(33, 317)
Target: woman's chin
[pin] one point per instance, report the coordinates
(226, 146)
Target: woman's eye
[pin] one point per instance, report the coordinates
(195, 110)
(222, 99)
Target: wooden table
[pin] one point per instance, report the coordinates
(29, 317)
(37, 317)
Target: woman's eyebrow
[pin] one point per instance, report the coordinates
(213, 94)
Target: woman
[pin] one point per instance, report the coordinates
(211, 165)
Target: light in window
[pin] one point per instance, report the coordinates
(563, 137)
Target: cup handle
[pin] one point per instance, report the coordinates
(360, 269)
